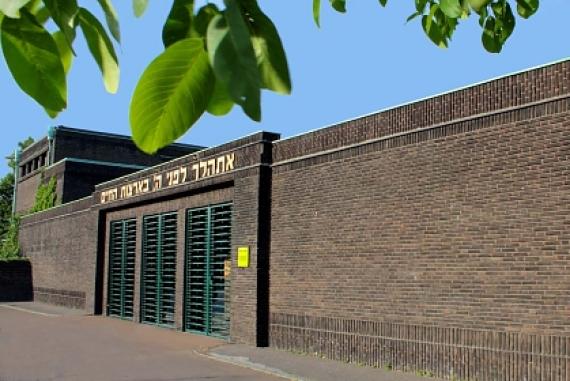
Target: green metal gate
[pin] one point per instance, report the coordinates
(122, 248)
(208, 252)
(158, 275)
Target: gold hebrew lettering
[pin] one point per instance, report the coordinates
(220, 165)
(211, 167)
(175, 177)
(184, 174)
(230, 162)
(145, 186)
(157, 182)
(204, 168)
(196, 169)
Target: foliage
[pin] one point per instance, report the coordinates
(6, 195)
(214, 58)
(46, 196)
(21, 146)
(9, 223)
(10, 246)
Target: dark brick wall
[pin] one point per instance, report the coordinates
(248, 189)
(443, 249)
(27, 188)
(89, 145)
(15, 281)
(61, 244)
(509, 92)
(431, 237)
(80, 179)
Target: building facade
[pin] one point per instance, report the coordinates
(432, 237)
(79, 160)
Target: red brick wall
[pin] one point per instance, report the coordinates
(436, 248)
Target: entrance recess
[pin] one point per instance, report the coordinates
(208, 253)
(122, 247)
(158, 275)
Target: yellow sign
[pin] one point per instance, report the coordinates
(243, 256)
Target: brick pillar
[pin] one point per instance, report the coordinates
(250, 227)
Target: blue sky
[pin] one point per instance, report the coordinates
(357, 63)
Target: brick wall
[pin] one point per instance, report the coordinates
(247, 187)
(443, 248)
(88, 145)
(61, 244)
(15, 281)
(27, 188)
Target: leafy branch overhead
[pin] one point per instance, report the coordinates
(213, 59)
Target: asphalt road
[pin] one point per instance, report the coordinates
(43, 345)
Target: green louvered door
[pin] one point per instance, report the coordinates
(208, 250)
(122, 243)
(158, 275)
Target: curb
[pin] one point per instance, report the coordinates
(244, 362)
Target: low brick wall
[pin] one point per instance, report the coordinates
(15, 281)
(61, 244)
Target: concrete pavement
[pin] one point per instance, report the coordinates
(45, 345)
(39, 342)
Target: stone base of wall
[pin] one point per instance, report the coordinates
(453, 353)
(15, 281)
(71, 299)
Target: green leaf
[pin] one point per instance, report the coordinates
(527, 8)
(171, 95)
(139, 7)
(64, 50)
(11, 8)
(202, 20)
(112, 19)
(477, 5)
(505, 21)
(42, 15)
(383, 2)
(339, 5)
(63, 14)
(220, 103)
(52, 114)
(101, 49)
(490, 41)
(413, 16)
(233, 59)
(432, 29)
(421, 6)
(317, 12)
(269, 51)
(451, 8)
(178, 25)
(34, 60)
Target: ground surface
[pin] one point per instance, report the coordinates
(45, 345)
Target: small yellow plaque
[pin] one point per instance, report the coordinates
(243, 256)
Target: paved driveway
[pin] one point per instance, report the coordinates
(51, 346)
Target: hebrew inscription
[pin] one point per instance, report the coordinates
(170, 178)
